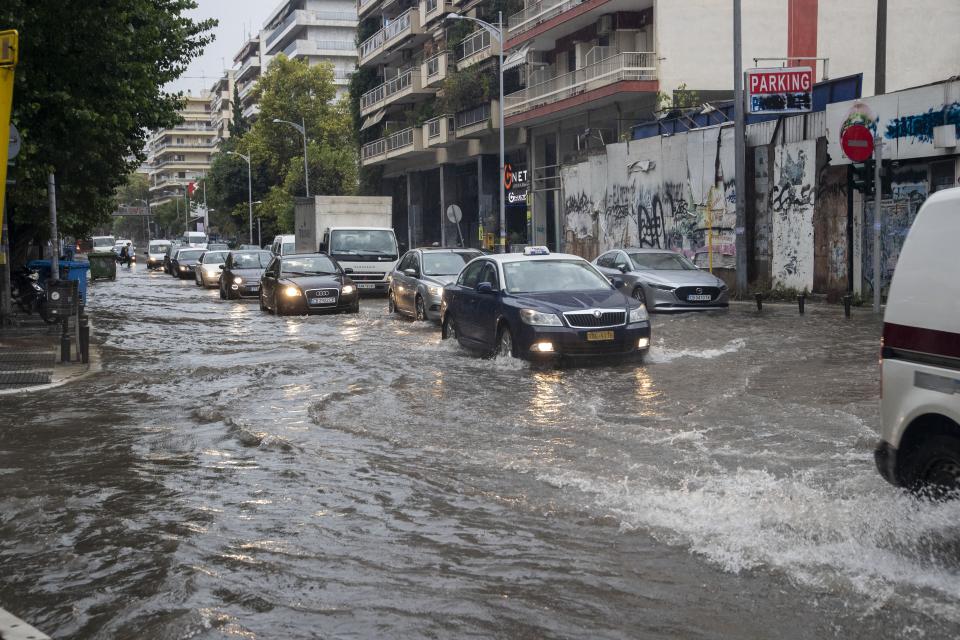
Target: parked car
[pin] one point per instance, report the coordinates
(542, 305)
(919, 446)
(241, 274)
(307, 283)
(416, 284)
(156, 250)
(283, 245)
(207, 272)
(185, 262)
(664, 280)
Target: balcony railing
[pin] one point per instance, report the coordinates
(403, 25)
(363, 5)
(403, 22)
(310, 18)
(473, 44)
(369, 46)
(250, 63)
(536, 13)
(385, 91)
(616, 68)
(472, 117)
(308, 47)
(373, 149)
(399, 140)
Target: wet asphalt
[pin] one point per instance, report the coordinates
(234, 474)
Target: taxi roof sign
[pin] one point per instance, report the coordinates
(9, 48)
(536, 251)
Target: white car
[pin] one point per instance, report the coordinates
(920, 358)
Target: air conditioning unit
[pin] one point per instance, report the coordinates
(605, 25)
(945, 136)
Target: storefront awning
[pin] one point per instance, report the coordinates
(372, 120)
(516, 58)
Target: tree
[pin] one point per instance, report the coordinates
(238, 124)
(89, 86)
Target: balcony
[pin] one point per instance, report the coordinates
(251, 111)
(326, 48)
(477, 47)
(249, 69)
(374, 152)
(439, 132)
(300, 18)
(609, 71)
(246, 90)
(363, 6)
(537, 13)
(433, 71)
(478, 121)
(405, 142)
(405, 87)
(433, 9)
(405, 25)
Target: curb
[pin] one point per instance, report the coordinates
(13, 628)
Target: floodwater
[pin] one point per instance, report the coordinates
(234, 474)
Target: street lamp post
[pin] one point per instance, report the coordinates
(497, 33)
(302, 128)
(259, 238)
(249, 189)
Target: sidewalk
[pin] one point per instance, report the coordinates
(12, 628)
(30, 356)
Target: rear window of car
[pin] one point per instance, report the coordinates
(190, 255)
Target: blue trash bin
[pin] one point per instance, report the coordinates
(69, 270)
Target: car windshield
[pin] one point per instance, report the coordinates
(376, 242)
(534, 276)
(158, 248)
(214, 257)
(307, 266)
(103, 242)
(251, 260)
(666, 261)
(287, 247)
(446, 263)
(190, 255)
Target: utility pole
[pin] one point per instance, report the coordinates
(877, 220)
(880, 62)
(54, 236)
(740, 165)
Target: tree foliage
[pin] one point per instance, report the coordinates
(238, 124)
(88, 88)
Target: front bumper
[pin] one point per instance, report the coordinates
(184, 271)
(434, 305)
(298, 306)
(210, 279)
(885, 456)
(572, 342)
(664, 301)
(368, 288)
(244, 289)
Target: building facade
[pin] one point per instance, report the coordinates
(182, 154)
(248, 66)
(221, 105)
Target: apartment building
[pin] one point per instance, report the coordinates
(316, 31)
(182, 154)
(249, 63)
(221, 105)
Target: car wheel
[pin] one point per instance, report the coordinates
(504, 346)
(639, 295)
(263, 306)
(421, 309)
(391, 302)
(198, 279)
(933, 468)
(449, 329)
(223, 293)
(276, 306)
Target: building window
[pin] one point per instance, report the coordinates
(941, 175)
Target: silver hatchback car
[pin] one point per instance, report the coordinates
(417, 282)
(664, 280)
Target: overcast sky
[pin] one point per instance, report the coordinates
(238, 18)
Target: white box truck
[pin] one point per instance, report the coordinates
(356, 231)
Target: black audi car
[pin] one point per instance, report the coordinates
(184, 263)
(241, 274)
(301, 284)
(542, 305)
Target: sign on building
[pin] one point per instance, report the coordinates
(780, 90)
(516, 183)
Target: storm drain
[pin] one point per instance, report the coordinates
(19, 379)
(35, 358)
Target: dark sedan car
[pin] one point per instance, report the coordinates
(542, 305)
(308, 283)
(241, 274)
(184, 263)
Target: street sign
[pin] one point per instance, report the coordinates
(13, 148)
(779, 90)
(857, 143)
(454, 214)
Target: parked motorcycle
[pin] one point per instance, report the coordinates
(29, 294)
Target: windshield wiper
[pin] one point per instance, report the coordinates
(292, 273)
(320, 273)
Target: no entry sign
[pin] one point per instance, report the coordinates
(857, 143)
(780, 90)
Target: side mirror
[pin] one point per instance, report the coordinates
(484, 287)
(220, 267)
(348, 270)
(616, 282)
(410, 272)
(623, 268)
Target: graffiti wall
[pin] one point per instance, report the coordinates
(793, 190)
(673, 192)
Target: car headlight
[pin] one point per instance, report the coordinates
(348, 289)
(662, 287)
(534, 317)
(238, 280)
(291, 291)
(639, 314)
(436, 292)
(182, 268)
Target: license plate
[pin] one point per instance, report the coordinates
(702, 297)
(599, 336)
(255, 287)
(365, 285)
(322, 300)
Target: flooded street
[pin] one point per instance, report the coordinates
(235, 474)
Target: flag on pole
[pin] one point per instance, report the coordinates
(191, 187)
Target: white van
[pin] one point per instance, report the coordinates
(194, 239)
(283, 245)
(920, 356)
